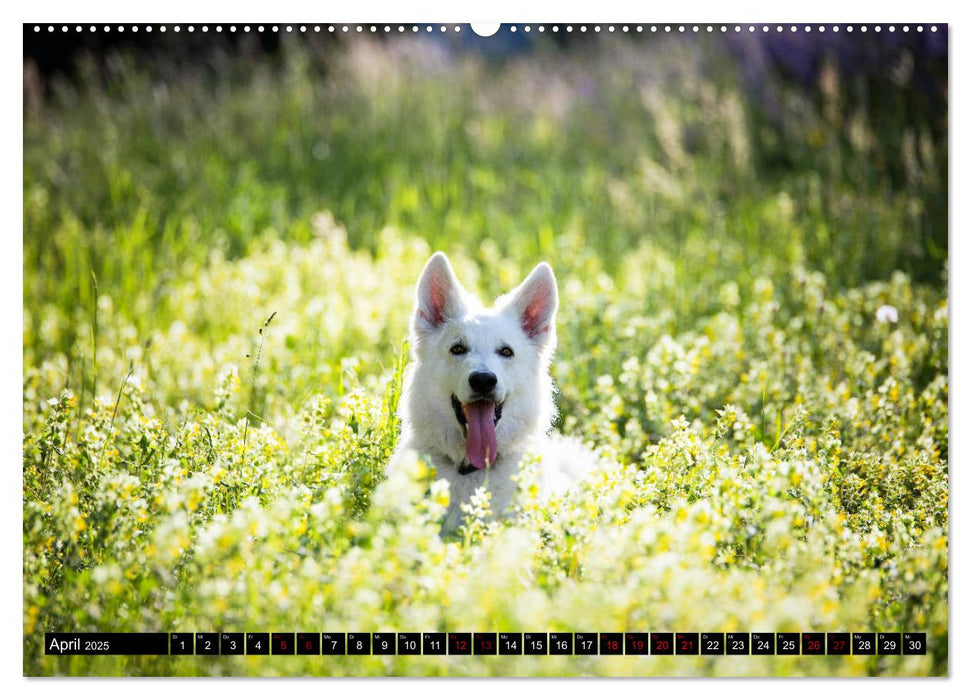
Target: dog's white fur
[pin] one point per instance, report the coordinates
(523, 320)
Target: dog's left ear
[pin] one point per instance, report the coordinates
(534, 303)
(440, 297)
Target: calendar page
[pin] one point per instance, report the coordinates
(525, 349)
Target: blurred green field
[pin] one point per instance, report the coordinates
(219, 262)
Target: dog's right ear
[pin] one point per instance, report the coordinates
(440, 296)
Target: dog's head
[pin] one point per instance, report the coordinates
(481, 383)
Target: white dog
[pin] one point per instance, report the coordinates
(478, 395)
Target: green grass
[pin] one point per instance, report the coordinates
(219, 269)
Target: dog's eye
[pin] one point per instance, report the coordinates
(505, 351)
(458, 349)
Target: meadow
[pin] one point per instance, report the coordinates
(219, 266)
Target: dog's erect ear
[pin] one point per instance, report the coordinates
(534, 303)
(440, 296)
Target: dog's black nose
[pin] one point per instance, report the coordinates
(482, 382)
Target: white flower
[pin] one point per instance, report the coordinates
(887, 314)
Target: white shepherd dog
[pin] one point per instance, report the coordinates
(478, 394)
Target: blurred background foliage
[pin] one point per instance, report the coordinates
(156, 158)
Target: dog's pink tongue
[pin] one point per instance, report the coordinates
(480, 444)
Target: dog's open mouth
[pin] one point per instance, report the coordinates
(478, 420)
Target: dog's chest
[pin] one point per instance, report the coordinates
(497, 481)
